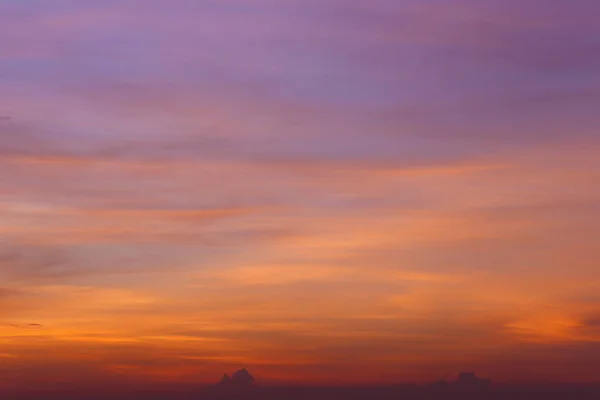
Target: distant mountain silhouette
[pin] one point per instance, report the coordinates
(239, 385)
(241, 378)
(470, 382)
(225, 380)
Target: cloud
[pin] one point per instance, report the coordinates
(593, 322)
(34, 262)
(6, 293)
(24, 326)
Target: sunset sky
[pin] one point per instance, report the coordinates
(322, 191)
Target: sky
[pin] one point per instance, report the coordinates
(340, 191)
